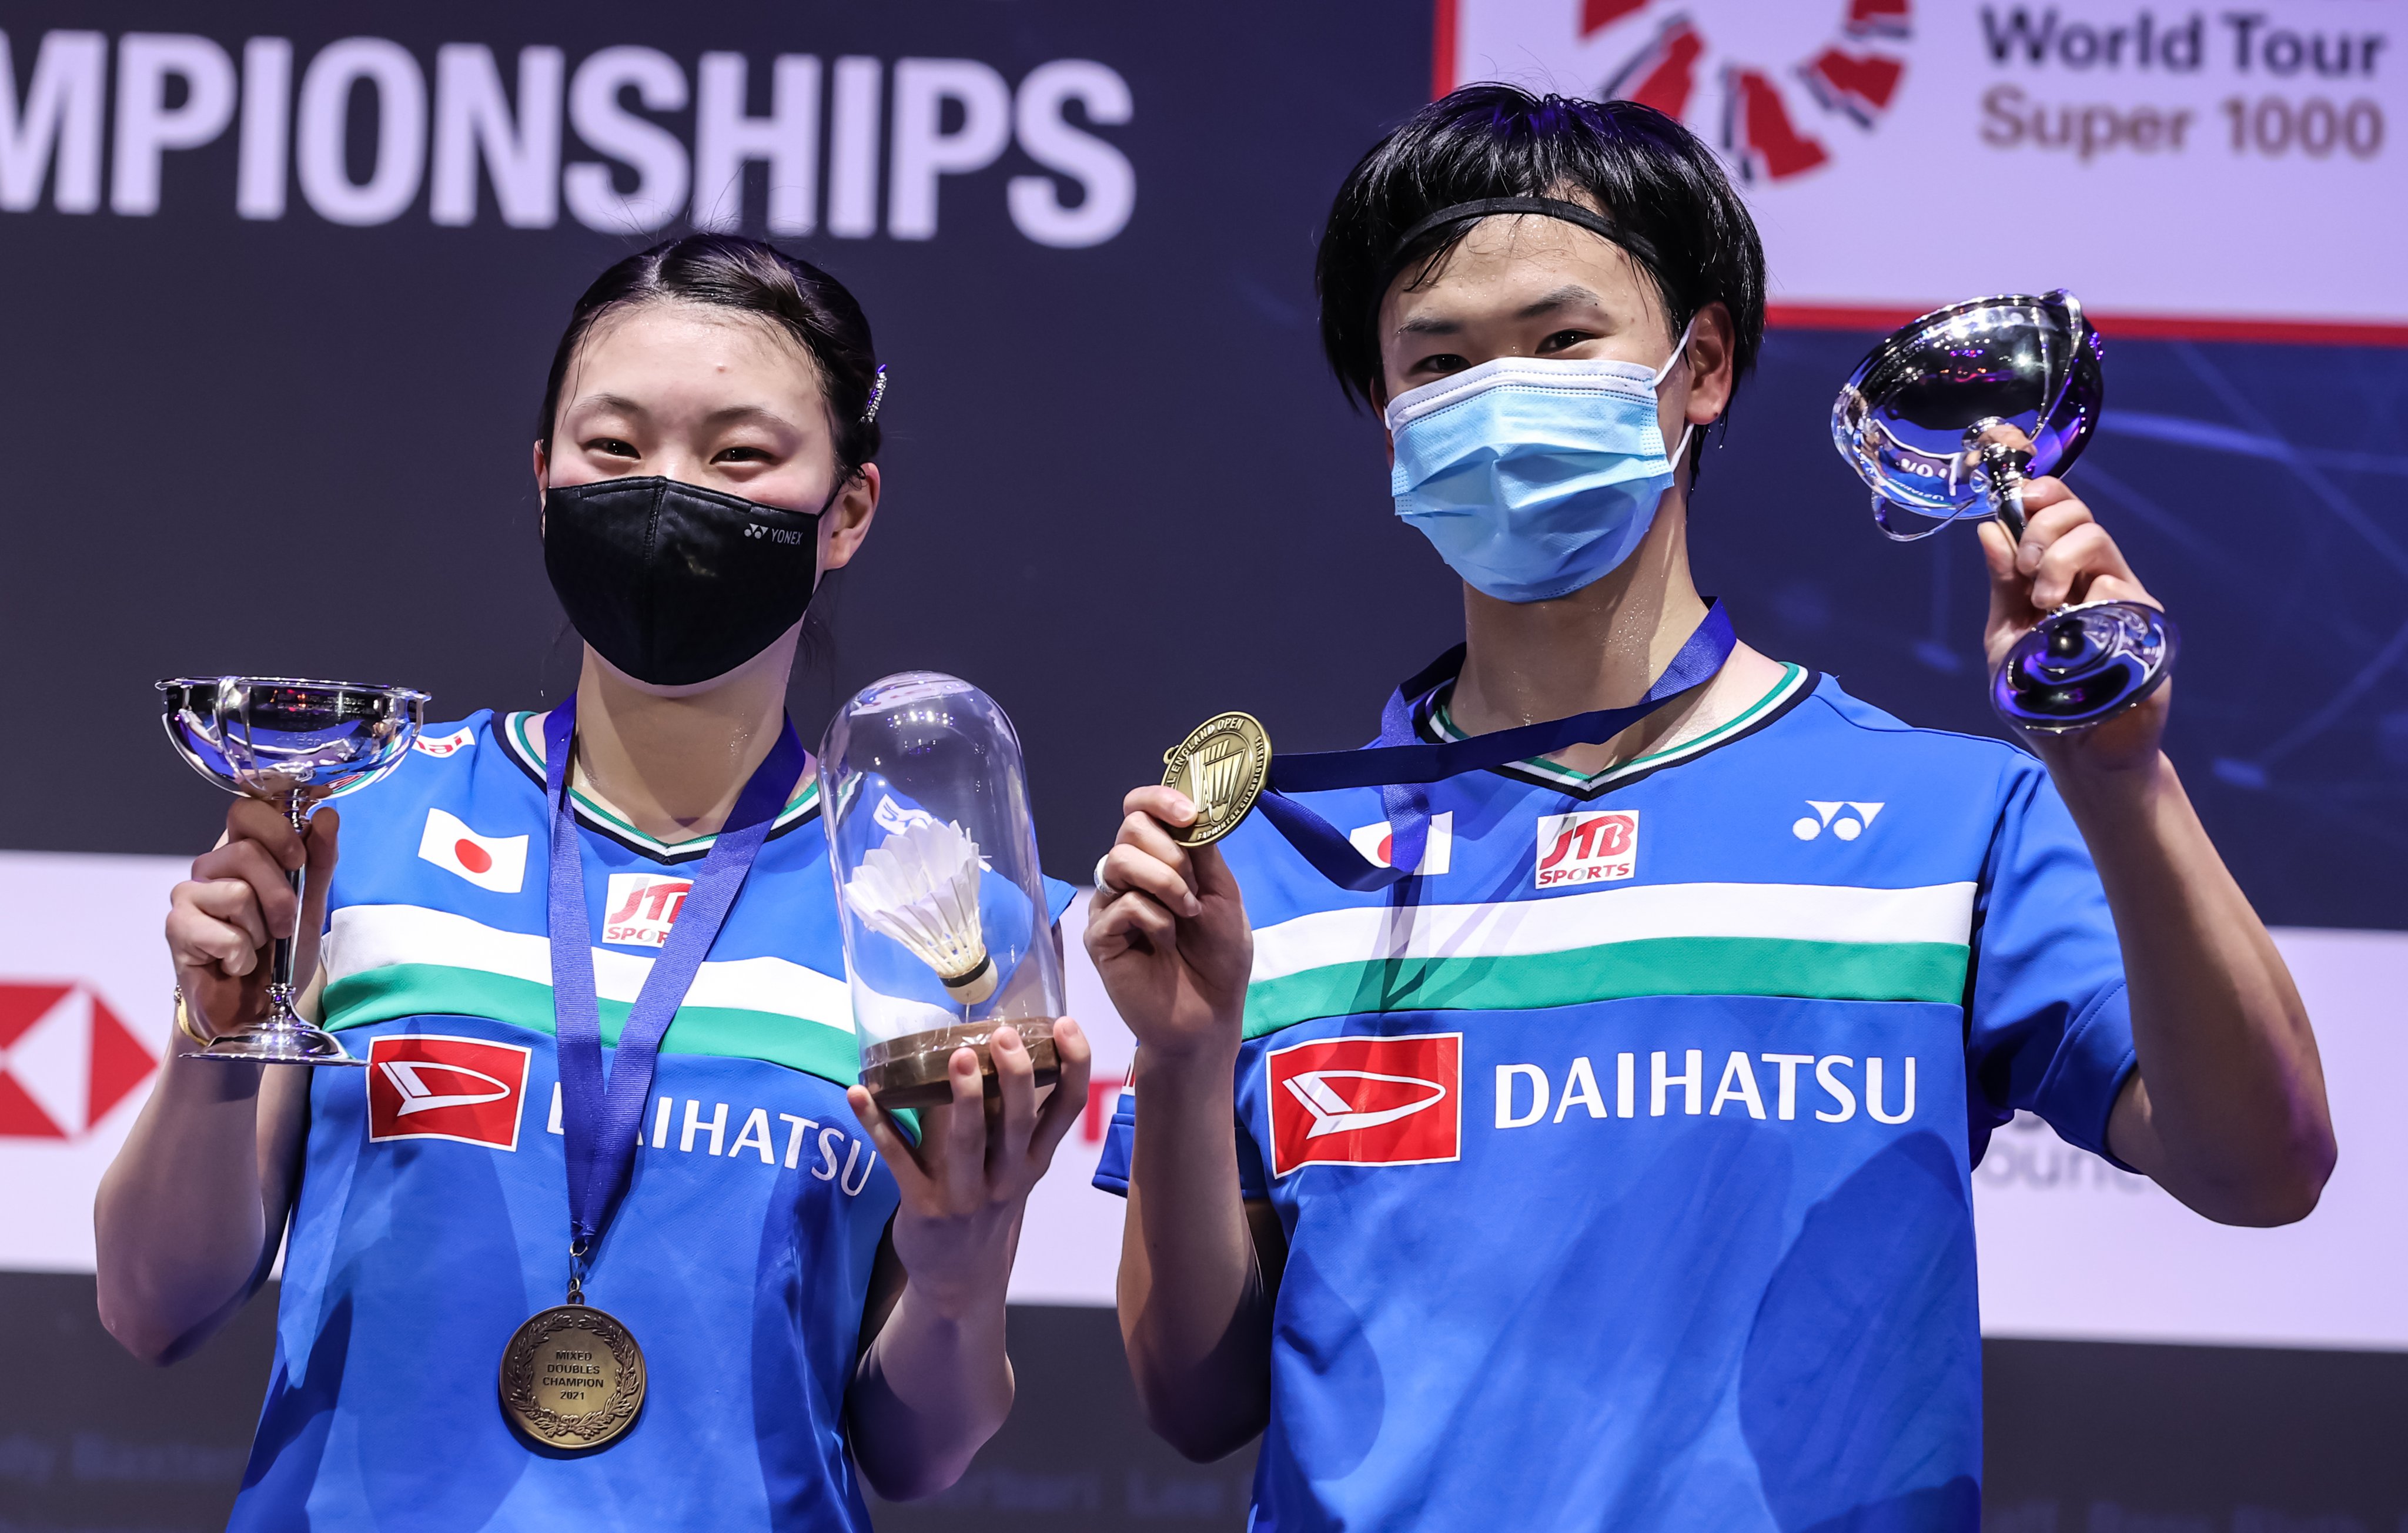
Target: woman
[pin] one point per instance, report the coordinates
(806, 1296)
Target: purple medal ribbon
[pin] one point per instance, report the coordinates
(1400, 765)
(599, 1123)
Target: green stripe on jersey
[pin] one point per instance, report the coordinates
(385, 962)
(1675, 966)
(416, 990)
(1813, 941)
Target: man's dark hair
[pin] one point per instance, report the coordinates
(1652, 178)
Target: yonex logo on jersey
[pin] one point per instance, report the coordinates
(638, 909)
(443, 745)
(428, 1086)
(1847, 826)
(1438, 853)
(490, 862)
(1593, 846)
(1366, 1101)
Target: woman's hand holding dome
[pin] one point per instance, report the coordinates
(966, 1181)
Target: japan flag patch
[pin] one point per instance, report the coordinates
(1438, 849)
(490, 862)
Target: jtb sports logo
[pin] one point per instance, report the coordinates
(1596, 846)
(1366, 1101)
(427, 1086)
(640, 908)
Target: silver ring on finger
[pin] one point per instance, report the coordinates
(1102, 887)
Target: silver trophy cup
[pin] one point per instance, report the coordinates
(1946, 420)
(293, 743)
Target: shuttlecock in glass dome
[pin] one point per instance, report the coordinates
(920, 886)
(947, 929)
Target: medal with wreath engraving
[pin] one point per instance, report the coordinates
(572, 1379)
(1221, 767)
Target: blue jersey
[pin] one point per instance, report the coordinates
(433, 1213)
(1623, 1152)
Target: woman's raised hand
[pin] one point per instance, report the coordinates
(966, 1181)
(222, 922)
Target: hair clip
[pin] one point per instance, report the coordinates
(877, 397)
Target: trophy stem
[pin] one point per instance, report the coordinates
(284, 1035)
(288, 944)
(2004, 466)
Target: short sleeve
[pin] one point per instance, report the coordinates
(1059, 897)
(2050, 1027)
(1120, 1146)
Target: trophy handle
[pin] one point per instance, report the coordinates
(1884, 507)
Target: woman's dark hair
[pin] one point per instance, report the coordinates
(1652, 178)
(729, 271)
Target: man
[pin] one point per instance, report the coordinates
(1612, 1170)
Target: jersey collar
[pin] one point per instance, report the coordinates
(519, 733)
(1433, 721)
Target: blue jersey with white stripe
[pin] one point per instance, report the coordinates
(1625, 1152)
(433, 1215)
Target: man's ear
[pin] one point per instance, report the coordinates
(1713, 356)
(542, 480)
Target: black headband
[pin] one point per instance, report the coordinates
(1556, 208)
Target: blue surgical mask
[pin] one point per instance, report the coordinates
(1533, 476)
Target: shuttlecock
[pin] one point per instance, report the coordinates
(920, 886)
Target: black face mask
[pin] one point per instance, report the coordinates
(673, 584)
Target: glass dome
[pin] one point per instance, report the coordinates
(946, 932)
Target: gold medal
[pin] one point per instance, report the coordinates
(1221, 767)
(572, 1379)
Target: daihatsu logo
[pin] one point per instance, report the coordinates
(1363, 1099)
(429, 1086)
(419, 1094)
(1333, 1115)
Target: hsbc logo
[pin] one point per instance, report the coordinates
(66, 1060)
(640, 908)
(1593, 846)
(427, 1086)
(1366, 1101)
